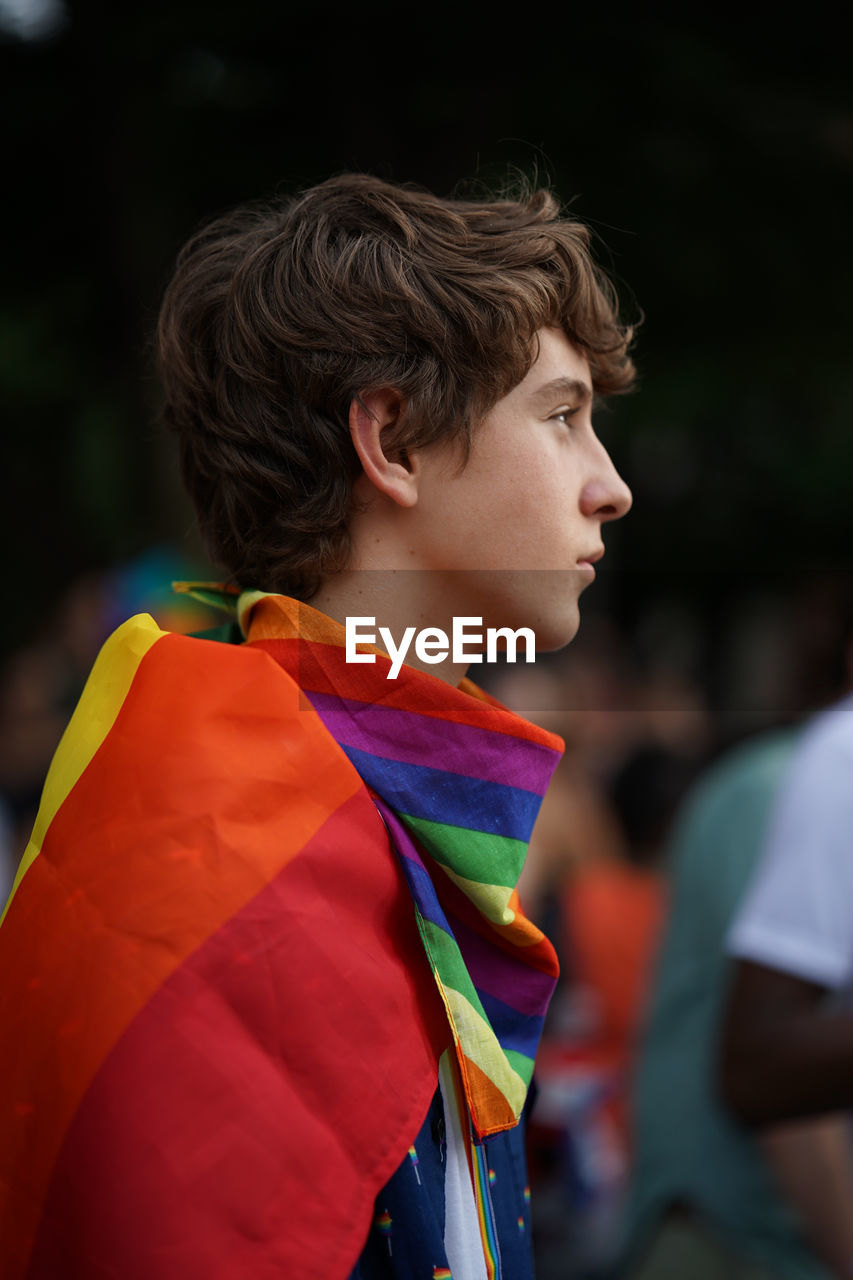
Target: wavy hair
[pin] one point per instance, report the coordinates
(278, 316)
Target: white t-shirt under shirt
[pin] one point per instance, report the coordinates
(797, 913)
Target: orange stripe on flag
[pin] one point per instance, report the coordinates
(486, 1100)
(210, 779)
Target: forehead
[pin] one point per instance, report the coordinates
(559, 371)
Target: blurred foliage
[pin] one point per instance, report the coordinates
(713, 160)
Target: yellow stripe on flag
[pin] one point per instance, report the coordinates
(501, 908)
(492, 899)
(480, 1044)
(96, 712)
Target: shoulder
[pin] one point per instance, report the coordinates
(726, 811)
(827, 740)
(753, 768)
(196, 698)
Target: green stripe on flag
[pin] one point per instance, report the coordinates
(521, 1063)
(444, 952)
(478, 855)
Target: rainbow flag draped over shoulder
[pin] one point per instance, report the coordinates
(220, 1024)
(458, 780)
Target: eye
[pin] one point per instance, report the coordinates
(565, 415)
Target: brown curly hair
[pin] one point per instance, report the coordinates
(277, 317)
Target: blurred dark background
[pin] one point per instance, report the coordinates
(714, 160)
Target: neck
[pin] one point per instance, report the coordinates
(397, 599)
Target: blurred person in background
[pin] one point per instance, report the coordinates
(613, 911)
(787, 1051)
(708, 1196)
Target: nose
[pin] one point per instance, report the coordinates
(606, 495)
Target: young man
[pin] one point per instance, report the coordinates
(274, 1002)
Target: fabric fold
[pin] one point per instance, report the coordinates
(460, 832)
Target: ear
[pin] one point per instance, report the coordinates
(369, 415)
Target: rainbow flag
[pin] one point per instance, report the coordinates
(213, 972)
(458, 780)
(211, 976)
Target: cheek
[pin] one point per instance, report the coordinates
(523, 484)
(544, 508)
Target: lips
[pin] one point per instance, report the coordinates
(586, 562)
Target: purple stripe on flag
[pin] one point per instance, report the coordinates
(417, 739)
(527, 989)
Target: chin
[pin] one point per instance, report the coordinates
(555, 633)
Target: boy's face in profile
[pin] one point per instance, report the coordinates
(523, 518)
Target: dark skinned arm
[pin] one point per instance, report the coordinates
(783, 1055)
(810, 1162)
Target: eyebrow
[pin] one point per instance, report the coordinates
(570, 388)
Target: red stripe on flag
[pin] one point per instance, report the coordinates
(246, 1120)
